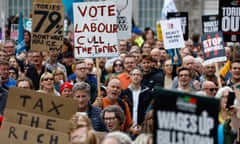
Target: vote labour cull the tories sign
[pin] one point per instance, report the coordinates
(95, 29)
(229, 20)
(184, 118)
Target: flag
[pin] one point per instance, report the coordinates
(21, 44)
(168, 6)
(69, 7)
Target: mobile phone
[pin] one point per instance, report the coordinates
(230, 100)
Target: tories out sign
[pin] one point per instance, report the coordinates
(229, 20)
(184, 118)
(95, 29)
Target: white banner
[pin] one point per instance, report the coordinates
(172, 33)
(124, 18)
(95, 29)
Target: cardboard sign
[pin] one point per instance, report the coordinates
(172, 33)
(213, 48)
(183, 16)
(124, 18)
(47, 27)
(229, 20)
(36, 121)
(95, 29)
(209, 23)
(183, 118)
(40, 103)
(18, 134)
(34, 117)
(46, 1)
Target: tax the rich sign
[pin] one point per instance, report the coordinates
(95, 29)
(34, 117)
(47, 27)
(184, 118)
(229, 24)
(209, 23)
(213, 48)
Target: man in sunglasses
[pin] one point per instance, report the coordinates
(209, 88)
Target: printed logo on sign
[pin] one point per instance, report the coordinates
(234, 38)
(186, 103)
(235, 2)
(170, 26)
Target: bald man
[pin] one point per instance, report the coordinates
(209, 88)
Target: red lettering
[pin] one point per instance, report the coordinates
(93, 11)
(101, 27)
(82, 12)
(93, 27)
(78, 40)
(111, 11)
(102, 9)
(81, 49)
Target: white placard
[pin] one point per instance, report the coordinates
(172, 33)
(95, 29)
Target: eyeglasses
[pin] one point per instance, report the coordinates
(118, 65)
(46, 79)
(109, 118)
(212, 89)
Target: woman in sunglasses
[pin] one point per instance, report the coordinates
(46, 84)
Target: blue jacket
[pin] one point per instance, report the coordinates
(94, 115)
(3, 99)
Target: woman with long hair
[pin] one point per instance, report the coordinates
(46, 84)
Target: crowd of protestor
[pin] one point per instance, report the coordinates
(124, 105)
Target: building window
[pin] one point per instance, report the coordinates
(149, 12)
(16, 6)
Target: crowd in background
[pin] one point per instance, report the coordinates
(124, 105)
